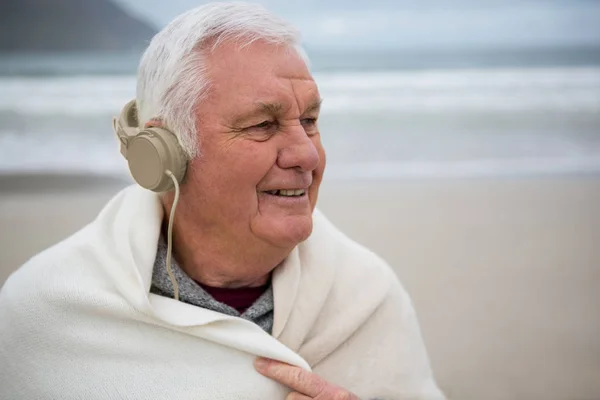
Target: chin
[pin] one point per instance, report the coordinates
(290, 231)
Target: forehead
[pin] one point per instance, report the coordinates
(259, 72)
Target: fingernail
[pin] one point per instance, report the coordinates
(261, 363)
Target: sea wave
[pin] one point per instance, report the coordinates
(485, 90)
(396, 124)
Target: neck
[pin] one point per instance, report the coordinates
(219, 261)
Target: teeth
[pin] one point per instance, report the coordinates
(285, 192)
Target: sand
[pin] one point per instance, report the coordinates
(504, 272)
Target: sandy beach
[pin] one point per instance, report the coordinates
(504, 272)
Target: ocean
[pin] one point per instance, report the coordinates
(384, 116)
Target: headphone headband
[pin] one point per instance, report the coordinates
(126, 126)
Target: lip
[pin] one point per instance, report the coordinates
(284, 188)
(288, 200)
(303, 182)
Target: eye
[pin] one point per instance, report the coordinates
(262, 131)
(263, 125)
(309, 121)
(310, 125)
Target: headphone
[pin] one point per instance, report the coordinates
(154, 154)
(156, 162)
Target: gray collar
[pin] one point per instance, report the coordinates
(261, 312)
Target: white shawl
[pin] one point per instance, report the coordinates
(77, 321)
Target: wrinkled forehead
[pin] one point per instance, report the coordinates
(259, 72)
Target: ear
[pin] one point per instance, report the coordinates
(154, 123)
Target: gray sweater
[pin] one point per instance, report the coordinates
(261, 312)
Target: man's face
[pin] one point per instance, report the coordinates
(261, 163)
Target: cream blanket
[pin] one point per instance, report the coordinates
(78, 322)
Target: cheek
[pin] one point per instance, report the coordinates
(249, 165)
(235, 168)
(322, 158)
(318, 173)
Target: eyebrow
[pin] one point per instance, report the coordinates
(260, 109)
(314, 106)
(272, 109)
(269, 108)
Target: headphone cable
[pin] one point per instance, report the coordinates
(170, 237)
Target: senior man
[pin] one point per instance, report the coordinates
(263, 298)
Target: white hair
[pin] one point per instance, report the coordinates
(172, 72)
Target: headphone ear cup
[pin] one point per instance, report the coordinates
(150, 154)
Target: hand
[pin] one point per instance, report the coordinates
(306, 385)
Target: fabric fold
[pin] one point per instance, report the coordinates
(78, 321)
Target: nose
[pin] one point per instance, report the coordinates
(298, 151)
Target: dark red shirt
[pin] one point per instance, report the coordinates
(241, 298)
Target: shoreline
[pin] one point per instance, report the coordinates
(56, 181)
(48, 182)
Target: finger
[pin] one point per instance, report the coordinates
(296, 378)
(297, 396)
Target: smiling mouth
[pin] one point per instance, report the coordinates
(287, 193)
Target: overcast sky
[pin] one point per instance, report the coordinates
(420, 23)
